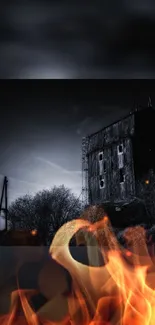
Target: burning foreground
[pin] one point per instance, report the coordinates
(120, 292)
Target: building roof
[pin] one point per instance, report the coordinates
(137, 110)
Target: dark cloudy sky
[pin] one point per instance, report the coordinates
(77, 39)
(43, 122)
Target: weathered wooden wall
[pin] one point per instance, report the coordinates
(107, 140)
(146, 192)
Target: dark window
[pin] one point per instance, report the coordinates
(121, 175)
(102, 183)
(112, 164)
(100, 156)
(120, 148)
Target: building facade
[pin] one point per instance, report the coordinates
(119, 160)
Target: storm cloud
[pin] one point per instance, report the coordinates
(58, 39)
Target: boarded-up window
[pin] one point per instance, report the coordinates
(102, 169)
(120, 161)
(100, 156)
(120, 156)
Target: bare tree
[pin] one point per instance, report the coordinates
(21, 213)
(46, 212)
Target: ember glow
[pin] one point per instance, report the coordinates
(120, 292)
(34, 232)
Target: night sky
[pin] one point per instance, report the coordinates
(77, 39)
(43, 122)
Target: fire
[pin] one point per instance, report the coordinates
(120, 292)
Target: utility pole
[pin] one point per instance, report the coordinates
(4, 197)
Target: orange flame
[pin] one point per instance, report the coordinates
(120, 292)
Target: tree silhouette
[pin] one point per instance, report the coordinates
(46, 212)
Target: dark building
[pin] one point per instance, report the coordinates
(119, 160)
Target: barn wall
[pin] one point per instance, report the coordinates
(108, 140)
(146, 192)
